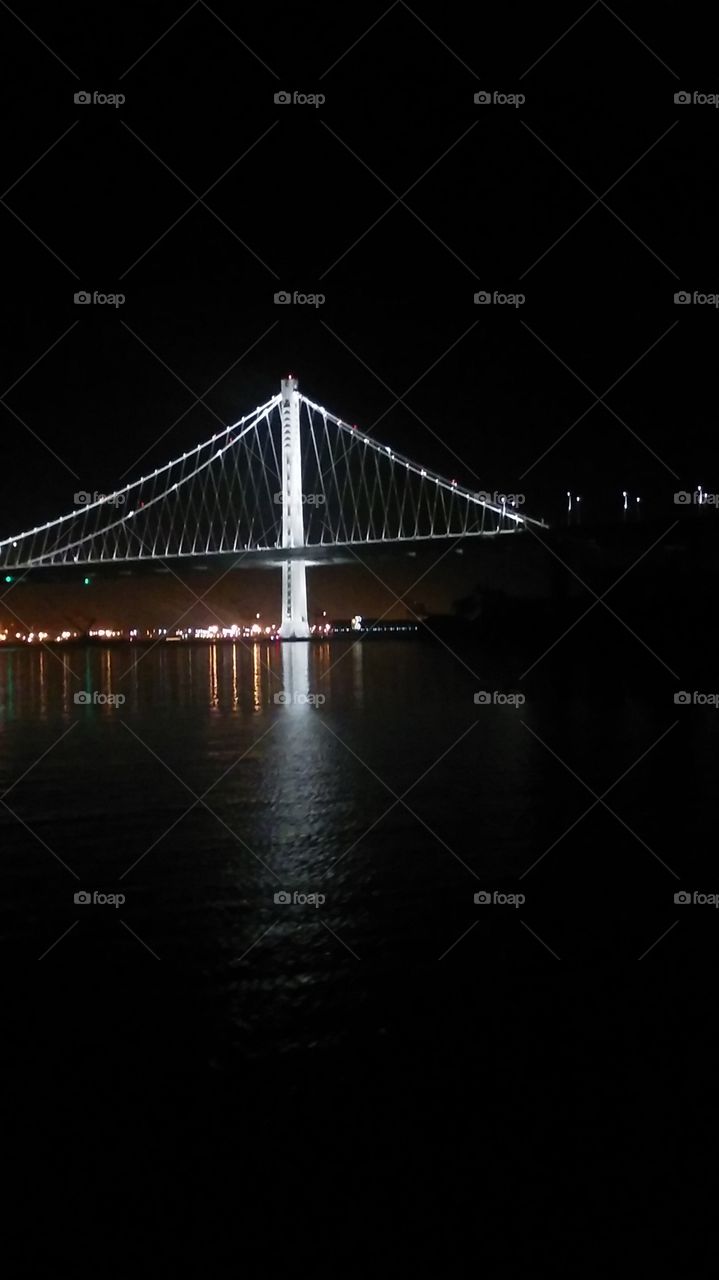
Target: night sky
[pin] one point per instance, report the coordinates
(312, 198)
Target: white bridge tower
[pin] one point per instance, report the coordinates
(295, 625)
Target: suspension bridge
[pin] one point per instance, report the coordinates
(288, 484)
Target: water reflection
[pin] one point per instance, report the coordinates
(256, 676)
(69, 685)
(212, 656)
(235, 694)
(42, 669)
(236, 678)
(296, 673)
(357, 659)
(300, 795)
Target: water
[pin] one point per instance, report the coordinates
(366, 773)
(300, 795)
(207, 1018)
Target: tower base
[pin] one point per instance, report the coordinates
(295, 624)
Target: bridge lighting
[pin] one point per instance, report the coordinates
(383, 523)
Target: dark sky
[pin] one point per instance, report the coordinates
(492, 192)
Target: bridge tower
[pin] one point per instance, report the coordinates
(295, 625)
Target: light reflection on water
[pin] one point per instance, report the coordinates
(375, 780)
(42, 682)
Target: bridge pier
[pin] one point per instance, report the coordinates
(295, 624)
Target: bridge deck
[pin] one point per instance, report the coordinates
(221, 563)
